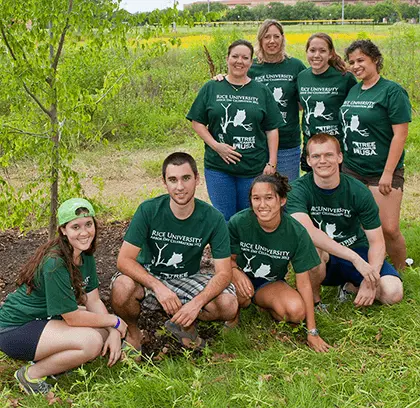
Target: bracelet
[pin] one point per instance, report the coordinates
(313, 332)
(118, 322)
(269, 164)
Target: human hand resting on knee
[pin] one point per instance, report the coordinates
(369, 273)
(242, 284)
(366, 294)
(168, 299)
(113, 345)
(188, 313)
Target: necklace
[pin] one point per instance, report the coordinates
(362, 91)
(236, 87)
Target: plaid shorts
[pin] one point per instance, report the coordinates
(186, 288)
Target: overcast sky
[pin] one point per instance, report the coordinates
(149, 5)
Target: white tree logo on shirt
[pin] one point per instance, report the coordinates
(318, 111)
(278, 95)
(353, 125)
(238, 120)
(262, 271)
(174, 260)
(330, 230)
(248, 268)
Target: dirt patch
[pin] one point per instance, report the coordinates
(16, 249)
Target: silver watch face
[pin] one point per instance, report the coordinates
(313, 332)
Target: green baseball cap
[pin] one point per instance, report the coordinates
(67, 210)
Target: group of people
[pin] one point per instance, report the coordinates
(334, 225)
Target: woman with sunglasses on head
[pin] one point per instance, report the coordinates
(43, 321)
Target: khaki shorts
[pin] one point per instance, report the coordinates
(397, 178)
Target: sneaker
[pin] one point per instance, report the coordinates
(36, 386)
(343, 294)
(321, 308)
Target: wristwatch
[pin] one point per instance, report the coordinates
(313, 332)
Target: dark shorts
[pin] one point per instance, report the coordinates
(397, 178)
(259, 283)
(340, 271)
(21, 342)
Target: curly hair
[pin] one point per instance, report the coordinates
(368, 48)
(335, 61)
(262, 31)
(58, 247)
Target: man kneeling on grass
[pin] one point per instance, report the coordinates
(342, 218)
(169, 234)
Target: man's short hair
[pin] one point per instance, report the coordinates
(178, 159)
(321, 138)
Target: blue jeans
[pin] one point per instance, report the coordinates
(288, 161)
(229, 194)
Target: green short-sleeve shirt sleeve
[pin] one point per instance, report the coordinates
(198, 111)
(139, 226)
(219, 241)
(306, 256)
(297, 199)
(368, 210)
(399, 107)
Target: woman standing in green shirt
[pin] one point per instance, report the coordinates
(375, 117)
(238, 120)
(42, 322)
(322, 89)
(264, 240)
(279, 72)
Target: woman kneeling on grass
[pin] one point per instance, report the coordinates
(263, 241)
(41, 320)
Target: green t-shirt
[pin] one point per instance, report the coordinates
(281, 78)
(262, 254)
(341, 214)
(367, 118)
(238, 116)
(172, 248)
(321, 97)
(52, 296)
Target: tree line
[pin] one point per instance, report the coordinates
(389, 10)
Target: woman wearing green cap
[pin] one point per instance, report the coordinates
(42, 320)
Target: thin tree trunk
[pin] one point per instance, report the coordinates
(55, 162)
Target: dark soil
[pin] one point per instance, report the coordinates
(16, 248)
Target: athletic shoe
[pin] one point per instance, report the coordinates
(321, 308)
(36, 386)
(343, 294)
